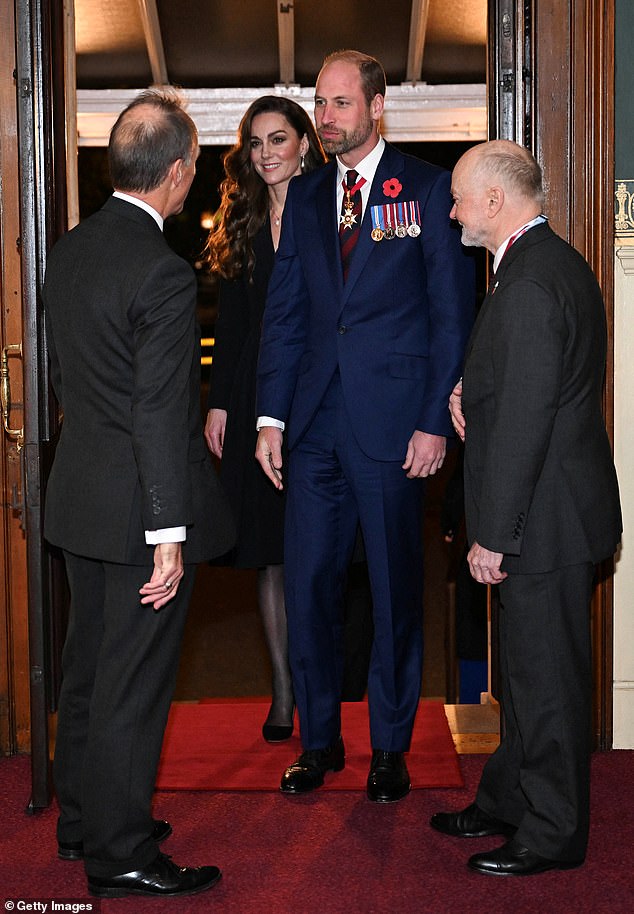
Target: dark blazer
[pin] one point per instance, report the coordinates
(396, 330)
(120, 309)
(540, 484)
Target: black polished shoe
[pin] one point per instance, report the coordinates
(161, 877)
(513, 859)
(74, 850)
(308, 771)
(388, 780)
(471, 822)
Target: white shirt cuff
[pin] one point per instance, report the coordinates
(166, 535)
(264, 421)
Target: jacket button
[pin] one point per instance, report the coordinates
(342, 329)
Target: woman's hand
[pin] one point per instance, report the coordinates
(215, 430)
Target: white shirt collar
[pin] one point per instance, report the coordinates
(519, 231)
(367, 167)
(142, 205)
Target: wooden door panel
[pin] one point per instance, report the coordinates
(551, 78)
(14, 632)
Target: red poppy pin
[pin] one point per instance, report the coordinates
(392, 187)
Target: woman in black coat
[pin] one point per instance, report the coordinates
(276, 142)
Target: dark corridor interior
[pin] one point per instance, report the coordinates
(224, 653)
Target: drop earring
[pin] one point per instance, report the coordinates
(302, 161)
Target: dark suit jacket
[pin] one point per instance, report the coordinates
(125, 367)
(540, 484)
(396, 330)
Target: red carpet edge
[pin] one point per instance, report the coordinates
(217, 745)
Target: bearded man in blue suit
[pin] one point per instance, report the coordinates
(369, 309)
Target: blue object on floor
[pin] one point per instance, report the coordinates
(473, 680)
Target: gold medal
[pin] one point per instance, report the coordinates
(377, 234)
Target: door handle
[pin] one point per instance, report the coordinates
(17, 434)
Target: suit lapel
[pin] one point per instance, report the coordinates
(534, 236)
(390, 166)
(326, 200)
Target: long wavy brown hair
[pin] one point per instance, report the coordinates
(244, 195)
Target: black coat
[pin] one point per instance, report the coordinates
(540, 483)
(120, 319)
(257, 505)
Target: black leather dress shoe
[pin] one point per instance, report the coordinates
(161, 877)
(74, 850)
(308, 771)
(471, 822)
(388, 780)
(513, 859)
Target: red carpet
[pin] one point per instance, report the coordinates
(333, 852)
(217, 745)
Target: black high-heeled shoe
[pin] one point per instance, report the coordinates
(278, 733)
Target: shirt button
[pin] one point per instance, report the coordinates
(342, 329)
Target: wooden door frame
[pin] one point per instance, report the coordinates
(14, 629)
(551, 80)
(30, 84)
(32, 48)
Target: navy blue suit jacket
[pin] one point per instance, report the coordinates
(396, 330)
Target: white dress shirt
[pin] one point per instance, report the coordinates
(366, 168)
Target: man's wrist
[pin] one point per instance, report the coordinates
(166, 535)
(269, 422)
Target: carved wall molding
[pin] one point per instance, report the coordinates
(413, 113)
(624, 209)
(625, 256)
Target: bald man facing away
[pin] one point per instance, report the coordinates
(131, 499)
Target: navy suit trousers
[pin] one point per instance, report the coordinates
(333, 486)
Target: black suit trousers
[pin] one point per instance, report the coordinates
(120, 662)
(539, 777)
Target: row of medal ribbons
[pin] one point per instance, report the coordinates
(396, 220)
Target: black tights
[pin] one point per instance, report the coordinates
(273, 613)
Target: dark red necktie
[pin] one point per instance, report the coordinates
(350, 218)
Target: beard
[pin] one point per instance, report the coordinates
(471, 239)
(347, 140)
